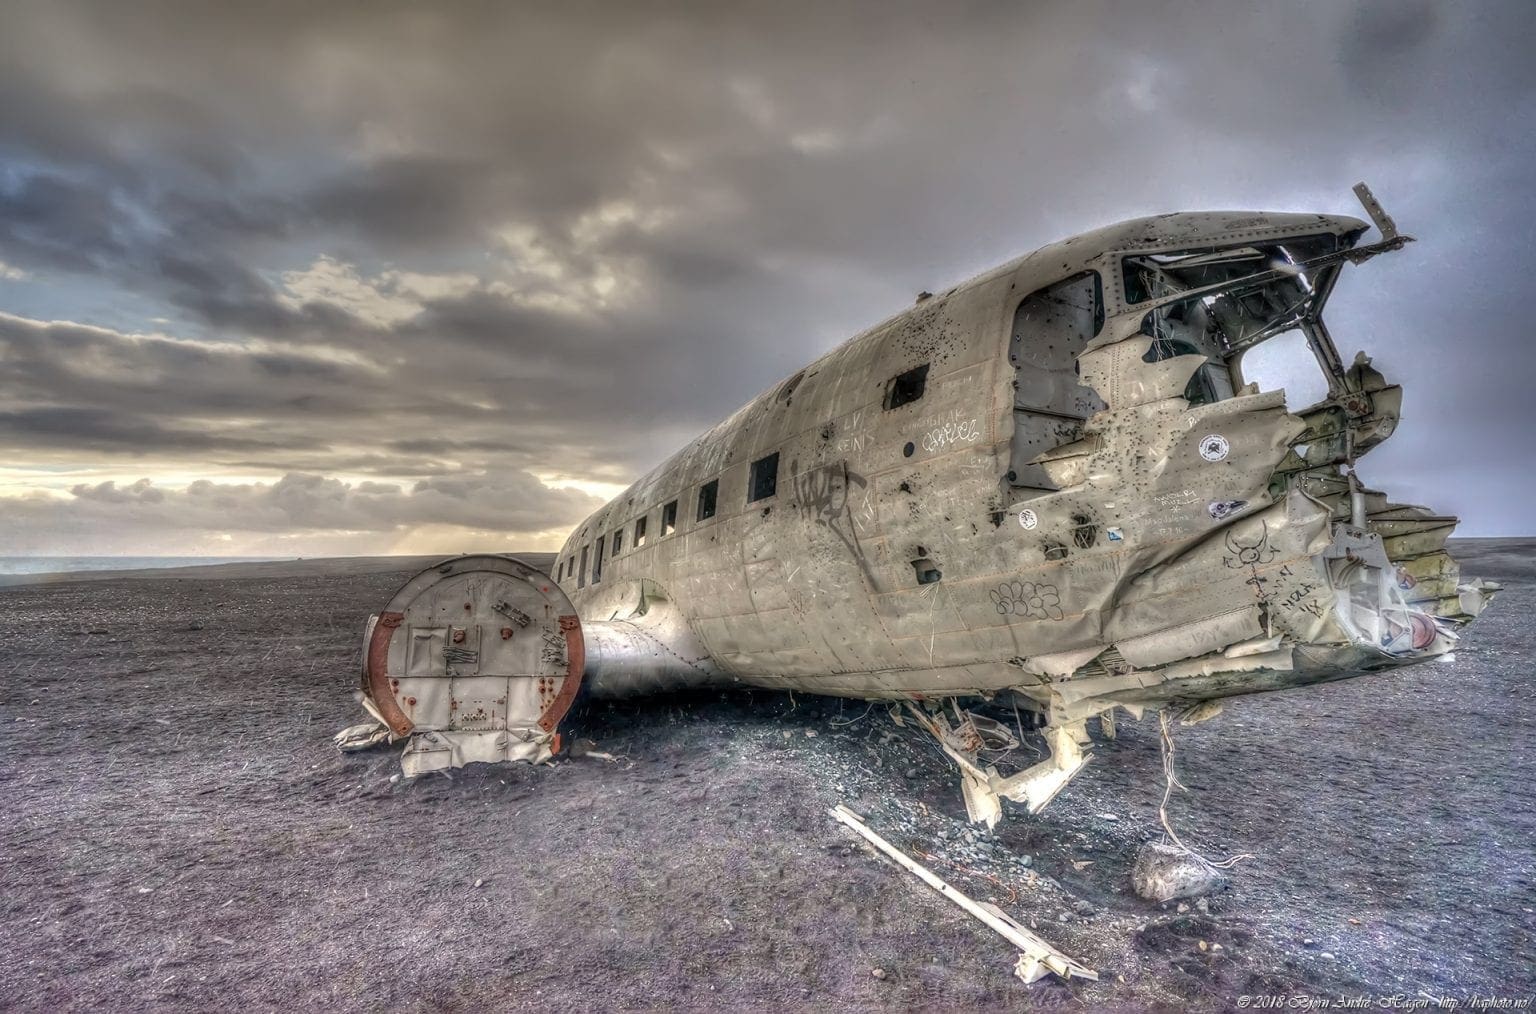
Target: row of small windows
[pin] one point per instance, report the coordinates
(764, 483)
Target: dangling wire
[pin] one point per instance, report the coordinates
(1171, 779)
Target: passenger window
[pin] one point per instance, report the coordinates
(597, 559)
(707, 495)
(581, 573)
(765, 477)
(905, 388)
(618, 541)
(639, 532)
(669, 519)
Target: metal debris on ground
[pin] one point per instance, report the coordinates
(1038, 957)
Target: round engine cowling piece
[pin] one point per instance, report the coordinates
(475, 659)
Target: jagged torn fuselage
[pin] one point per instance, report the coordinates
(1052, 480)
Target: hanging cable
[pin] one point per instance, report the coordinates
(1171, 779)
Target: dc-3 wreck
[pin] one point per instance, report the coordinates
(1051, 487)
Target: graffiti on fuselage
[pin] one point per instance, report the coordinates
(825, 497)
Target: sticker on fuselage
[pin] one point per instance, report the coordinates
(1027, 518)
(1214, 447)
(1223, 509)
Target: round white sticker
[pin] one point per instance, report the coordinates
(1214, 447)
(1027, 518)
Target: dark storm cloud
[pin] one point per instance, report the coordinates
(413, 242)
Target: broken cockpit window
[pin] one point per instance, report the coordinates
(1211, 382)
(1242, 295)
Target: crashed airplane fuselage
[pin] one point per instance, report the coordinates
(1052, 484)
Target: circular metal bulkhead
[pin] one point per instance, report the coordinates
(476, 659)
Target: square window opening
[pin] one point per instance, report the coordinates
(597, 559)
(669, 519)
(905, 388)
(708, 494)
(765, 477)
(618, 542)
(639, 532)
(581, 572)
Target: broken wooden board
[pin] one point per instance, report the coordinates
(1038, 957)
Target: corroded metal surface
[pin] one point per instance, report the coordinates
(475, 659)
(1055, 485)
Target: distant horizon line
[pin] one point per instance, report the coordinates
(349, 556)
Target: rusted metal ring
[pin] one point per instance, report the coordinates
(379, 690)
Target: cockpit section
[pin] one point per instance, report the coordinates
(1245, 294)
(1211, 303)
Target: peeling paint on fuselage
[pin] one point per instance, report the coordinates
(1154, 550)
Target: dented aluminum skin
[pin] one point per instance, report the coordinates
(1084, 506)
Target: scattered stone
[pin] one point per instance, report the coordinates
(1082, 907)
(479, 883)
(1328, 955)
(878, 973)
(1026, 859)
(1182, 908)
(910, 774)
(1108, 816)
(1308, 942)
(1164, 873)
(1203, 907)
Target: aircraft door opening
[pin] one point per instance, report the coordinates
(1050, 327)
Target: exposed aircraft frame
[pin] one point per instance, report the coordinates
(1049, 487)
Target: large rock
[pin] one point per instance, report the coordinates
(1163, 873)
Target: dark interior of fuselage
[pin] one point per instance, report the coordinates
(1241, 296)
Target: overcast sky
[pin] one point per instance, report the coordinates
(328, 278)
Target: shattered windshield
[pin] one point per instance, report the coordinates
(1243, 314)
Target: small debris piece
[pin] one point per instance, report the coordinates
(878, 973)
(361, 737)
(479, 883)
(1163, 873)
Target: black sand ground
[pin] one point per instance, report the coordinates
(179, 832)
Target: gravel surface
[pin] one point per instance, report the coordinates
(179, 832)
